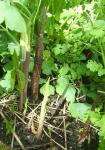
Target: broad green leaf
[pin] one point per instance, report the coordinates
(8, 66)
(2, 11)
(48, 66)
(57, 49)
(62, 85)
(99, 24)
(99, 121)
(94, 117)
(14, 47)
(6, 82)
(70, 94)
(16, 1)
(64, 70)
(21, 79)
(63, 80)
(13, 19)
(64, 88)
(79, 110)
(51, 91)
(9, 80)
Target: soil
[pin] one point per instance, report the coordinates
(55, 136)
(31, 143)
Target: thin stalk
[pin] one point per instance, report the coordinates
(102, 52)
(25, 60)
(25, 8)
(64, 120)
(102, 92)
(43, 111)
(37, 11)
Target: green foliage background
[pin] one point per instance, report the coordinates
(74, 51)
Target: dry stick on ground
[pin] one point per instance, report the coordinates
(63, 148)
(64, 120)
(14, 134)
(38, 59)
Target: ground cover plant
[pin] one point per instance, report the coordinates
(52, 74)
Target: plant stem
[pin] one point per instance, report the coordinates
(25, 60)
(38, 60)
(43, 111)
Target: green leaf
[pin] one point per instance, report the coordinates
(51, 91)
(2, 11)
(97, 33)
(21, 79)
(14, 47)
(70, 94)
(63, 80)
(48, 66)
(94, 117)
(67, 14)
(46, 54)
(93, 65)
(73, 74)
(99, 24)
(60, 49)
(8, 66)
(101, 124)
(101, 143)
(64, 70)
(9, 80)
(65, 89)
(81, 69)
(13, 19)
(101, 72)
(79, 109)
(42, 81)
(9, 126)
(17, 1)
